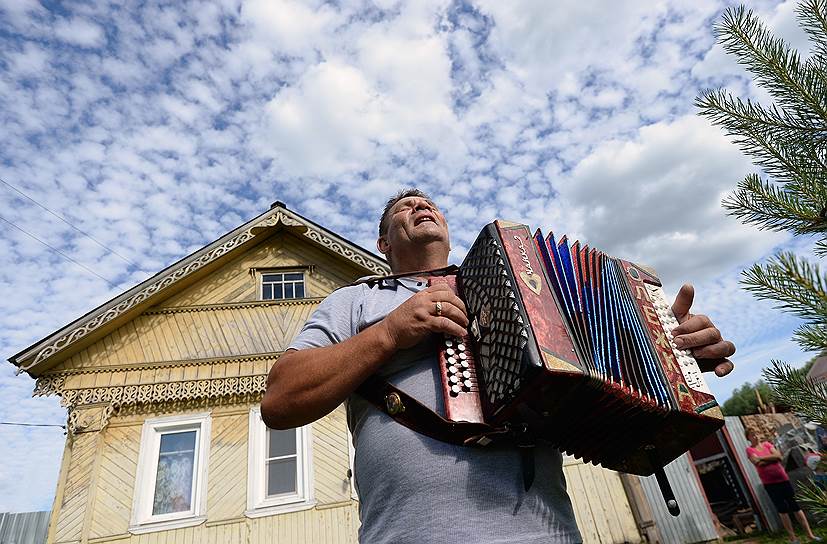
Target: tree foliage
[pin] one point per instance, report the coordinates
(787, 140)
(744, 400)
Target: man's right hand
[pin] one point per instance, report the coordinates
(418, 317)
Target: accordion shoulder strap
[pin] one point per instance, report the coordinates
(373, 280)
(414, 415)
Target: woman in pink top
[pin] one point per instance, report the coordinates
(767, 461)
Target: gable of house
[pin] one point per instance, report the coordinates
(197, 343)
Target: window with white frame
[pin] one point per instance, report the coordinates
(170, 485)
(279, 468)
(282, 285)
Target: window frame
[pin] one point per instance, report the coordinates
(351, 460)
(264, 272)
(258, 504)
(142, 520)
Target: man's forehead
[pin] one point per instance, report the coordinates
(410, 199)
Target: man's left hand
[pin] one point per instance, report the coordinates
(698, 334)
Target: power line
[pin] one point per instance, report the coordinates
(57, 251)
(12, 187)
(32, 424)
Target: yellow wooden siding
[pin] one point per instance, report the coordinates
(600, 504)
(233, 282)
(209, 319)
(334, 525)
(112, 506)
(330, 458)
(197, 334)
(73, 507)
(227, 471)
(109, 508)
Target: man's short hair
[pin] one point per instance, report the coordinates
(404, 193)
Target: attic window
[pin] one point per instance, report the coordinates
(282, 285)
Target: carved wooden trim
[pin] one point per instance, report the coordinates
(158, 365)
(285, 217)
(153, 393)
(337, 247)
(89, 419)
(234, 305)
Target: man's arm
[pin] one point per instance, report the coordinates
(306, 384)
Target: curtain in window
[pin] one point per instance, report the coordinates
(176, 463)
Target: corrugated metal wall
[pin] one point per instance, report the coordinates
(739, 444)
(24, 528)
(694, 524)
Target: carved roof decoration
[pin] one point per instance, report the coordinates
(35, 355)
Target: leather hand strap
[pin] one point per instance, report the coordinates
(416, 416)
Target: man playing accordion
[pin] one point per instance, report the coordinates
(413, 488)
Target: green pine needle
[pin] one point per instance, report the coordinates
(769, 207)
(811, 336)
(793, 283)
(791, 387)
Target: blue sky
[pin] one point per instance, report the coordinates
(158, 127)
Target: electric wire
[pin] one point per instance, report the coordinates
(12, 187)
(32, 424)
(58, 251)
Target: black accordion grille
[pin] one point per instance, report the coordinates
(497, 324)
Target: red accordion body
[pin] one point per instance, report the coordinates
(578, 345)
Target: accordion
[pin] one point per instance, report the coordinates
(579, 343)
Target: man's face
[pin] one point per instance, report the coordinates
(413, 221)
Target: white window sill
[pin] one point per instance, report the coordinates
(279, 509)
(153, 526)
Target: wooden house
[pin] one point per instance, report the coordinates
(162, 386)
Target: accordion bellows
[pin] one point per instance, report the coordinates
(579, 345)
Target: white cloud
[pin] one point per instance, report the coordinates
(80, 32)
(162, 127)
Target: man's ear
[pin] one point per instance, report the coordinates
(383, 245)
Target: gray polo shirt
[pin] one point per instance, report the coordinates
(414, 489)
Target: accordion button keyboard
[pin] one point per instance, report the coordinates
(463, 364)
(453, 379)
(450, 351)
(461, 347)
(452, 369)
(455, 390)
(467, 384)
(466, 374)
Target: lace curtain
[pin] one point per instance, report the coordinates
(176, 465)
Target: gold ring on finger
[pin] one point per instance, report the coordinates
(438, 308)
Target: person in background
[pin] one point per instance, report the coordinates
(767, 461)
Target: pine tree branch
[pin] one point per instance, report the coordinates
(820, 248)
(812, 16)
(811, 337)
(776, 65)
(793, 283)
(769, 207)
(790, 150)
(720, 104)
(791, 387)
